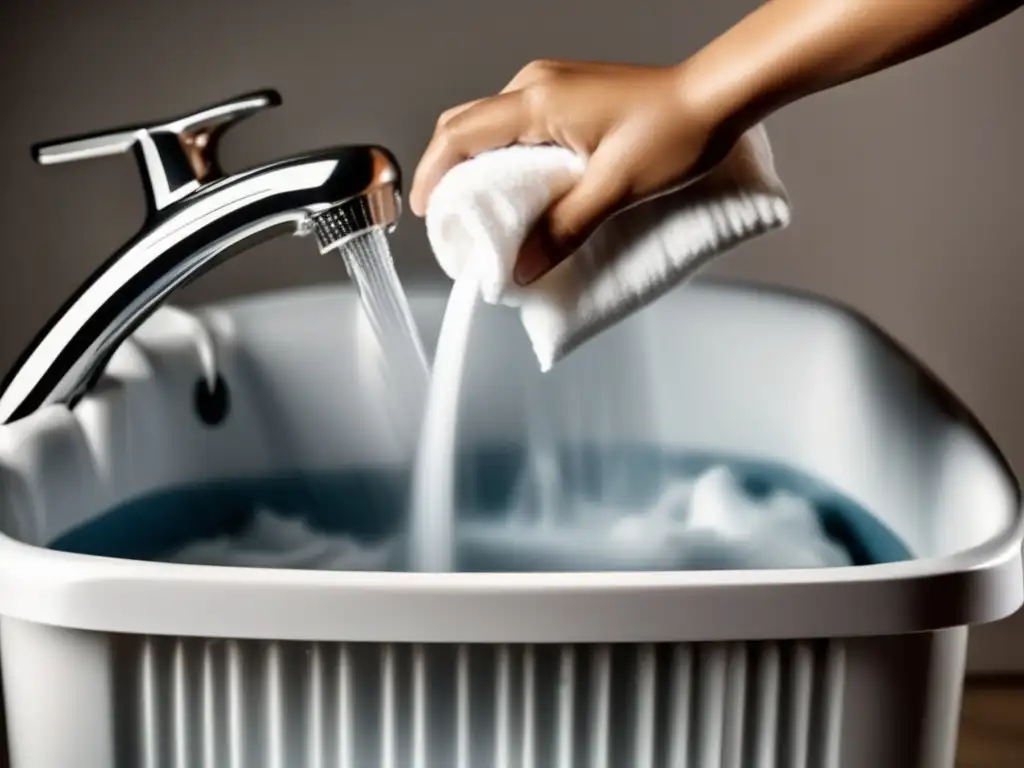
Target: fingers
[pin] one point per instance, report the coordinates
(490, 123)
(476, 127)
(572, 220)
(489, 129)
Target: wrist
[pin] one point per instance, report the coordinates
(783, 51)
(711, 95)
(719, 101)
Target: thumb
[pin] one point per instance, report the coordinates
(571, 220)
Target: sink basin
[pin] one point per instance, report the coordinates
(106, 659)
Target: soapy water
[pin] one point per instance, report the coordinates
(273, 540)
(711, 512)
(705, 523)
(554, 518)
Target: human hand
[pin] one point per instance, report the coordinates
(639, 128)
(647, 130)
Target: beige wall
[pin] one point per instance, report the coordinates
(908, 187)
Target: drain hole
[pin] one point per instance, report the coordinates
(212, 405)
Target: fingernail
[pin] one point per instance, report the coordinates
(533, 262)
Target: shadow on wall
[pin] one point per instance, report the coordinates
(906, 186)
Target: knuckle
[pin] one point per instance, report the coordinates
(446, 118)
(446, 138)
(540, 68)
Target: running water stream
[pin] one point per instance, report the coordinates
(370, 265)
(433, 502)
(427, 409)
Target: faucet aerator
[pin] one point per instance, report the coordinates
(377, 208)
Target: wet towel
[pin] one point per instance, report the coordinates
(482, 210)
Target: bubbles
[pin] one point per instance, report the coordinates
(275, 540)
(707, 522)
(702, 516)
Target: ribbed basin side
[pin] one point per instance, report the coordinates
(185, 703)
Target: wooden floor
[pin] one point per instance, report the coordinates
(992, 725)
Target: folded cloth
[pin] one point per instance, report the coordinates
(481, 211)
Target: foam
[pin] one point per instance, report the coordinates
(707, 522)
(273, 540)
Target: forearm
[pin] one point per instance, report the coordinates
(789, 49)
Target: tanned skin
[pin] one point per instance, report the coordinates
(646, 130)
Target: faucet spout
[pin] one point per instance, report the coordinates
(197, 218)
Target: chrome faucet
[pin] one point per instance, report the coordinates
(196, 217)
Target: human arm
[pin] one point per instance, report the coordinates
(645, 130)
(787, 50)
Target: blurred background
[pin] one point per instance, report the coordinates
(907, 186)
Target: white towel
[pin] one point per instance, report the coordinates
(482, 210)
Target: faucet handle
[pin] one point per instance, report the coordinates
(175, 156)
